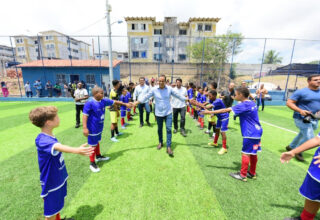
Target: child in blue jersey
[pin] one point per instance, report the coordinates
(251, 132)
(53, 172)
(191, 95)
(93, 121)
(310, 188)
(123, 109)
(222, 123)
(129, 97)
(201, 98)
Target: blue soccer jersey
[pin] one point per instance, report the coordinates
(249, 119)
(53, 172)
(199, 97)
(190, 93)
(203, 98)
(95, 110)
(124, 99)
(218, 104)
(314, 170)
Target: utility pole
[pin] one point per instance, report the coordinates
(108, 7)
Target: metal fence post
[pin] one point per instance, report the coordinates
(202, 60)
(233, 46)
(262, 60)
(100, 62)
(15, 61)
(159, 59)
(129, 58)
(285, 91)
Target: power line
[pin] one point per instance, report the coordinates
(90, 25)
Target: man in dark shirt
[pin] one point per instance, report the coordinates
(228, 96)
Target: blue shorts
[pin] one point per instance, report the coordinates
(128, 109)
(54, 201)
(200, 115)
(310, 189)
(94, 140)
(123, 113)
(222, 124)
(251, 146)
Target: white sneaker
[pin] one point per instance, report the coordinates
(123, 127)
(114, 139)
(101, 158)
(207, 132)
(94, 168)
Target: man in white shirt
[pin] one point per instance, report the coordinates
(80, 97)
(28, 90)
(140, 91)
(179, 106)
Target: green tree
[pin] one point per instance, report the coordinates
(216, 51)
(272, 57)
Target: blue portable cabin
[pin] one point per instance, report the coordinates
(92, 72)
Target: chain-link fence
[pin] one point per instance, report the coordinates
(280, 64)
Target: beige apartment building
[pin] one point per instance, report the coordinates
(50, 45)
(167, 41)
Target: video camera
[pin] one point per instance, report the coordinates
(307, 119)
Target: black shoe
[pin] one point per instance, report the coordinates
(141, 125)
(288, 148)
(183, 133)
(299, 157)
(175, 131)
(67, 219)
(250, 176)
(292, 218)
(148, 123)
(77, 126)
(93, 167)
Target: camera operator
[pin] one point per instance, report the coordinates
(305, 103)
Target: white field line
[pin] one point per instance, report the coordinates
(294, 132)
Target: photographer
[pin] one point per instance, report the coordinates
(305, 103)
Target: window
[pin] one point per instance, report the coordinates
(90, 79)
(143, 27)
(182, 44)
(75, 51)
(49, 37)
(141, 40)
(208, 27)
(35, 42)
(119, 56)
(199, 27)
(52, 46)
(182, 32)
(133, 26)
(182, 57)
(157, 44)
(157, 57)
(143, 54)
(135, 54)
(157, 31)
(74, 43)
(61, 78)
(19, 40)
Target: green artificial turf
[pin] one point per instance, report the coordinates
(140, 182)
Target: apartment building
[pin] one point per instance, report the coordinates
(167, 41)
(6, 56)
(104, 55)
(50, 45)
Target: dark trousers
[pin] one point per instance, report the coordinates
(141, 107)
(176, 112)
(168, 121)
(29, 94)
(258, 103)
(78, 109)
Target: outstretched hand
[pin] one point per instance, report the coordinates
(85, 151)
(204, 112)
(286, 157)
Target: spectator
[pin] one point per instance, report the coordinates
(28, 89)
(38, 86)
(304, 102)
(278, 88)
(4, 89)
(80, 97)
(228, 96)
(57, 89)
(65, 90)
(49, 88)
(260, 96)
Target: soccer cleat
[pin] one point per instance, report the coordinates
(222, 151)
(213, 144)
(250, 176)
(94, 168)
(119, 134)
(238, 176)
(123, 127)
(207, 132)
(77, 126)
(102, 158)
(114, 139)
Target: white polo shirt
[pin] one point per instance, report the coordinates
(177, 103)
(80, 93)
